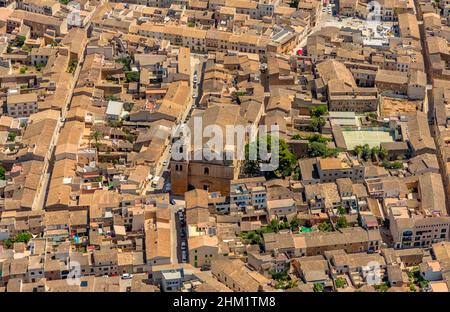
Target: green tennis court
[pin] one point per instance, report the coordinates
(361, 137)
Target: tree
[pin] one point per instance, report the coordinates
(341, 211)
(95, 136)
(110, 77)
(130, 137)
(23, 237)
(287, 160)
(275, 225)
(2, 173)
(251, 167)
(318, 287)
(126, 62)
(8, 243)
(26, 48)
(383, 153)
(19, 41)
(279, 276)
(72, 66)
(382, 287)
(366, 152)
(341, 222)
(112, 98)
(39, 66)
(392, 164)
(318, 111)
(291, 284)
(132, 76)
(23, 70)
(115, 123)
(325, 227)
(371, 115)
(317, 138)
(424, 284)
(340, 282)
(294, 3)
(283, 156)
(317, 123)
(295, 223)
(358, 149)
(128, 106)
(252, 237)
(316, 149)
(375, 153)
(19, 238)
(297, 174)
(11, 136)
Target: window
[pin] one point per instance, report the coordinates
(206, 171)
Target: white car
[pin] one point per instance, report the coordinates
(127, 276)
(165, 162)
(155, 181)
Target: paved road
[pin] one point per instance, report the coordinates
(179, 204)
(322, 18)
(197, 61)
(42, 197)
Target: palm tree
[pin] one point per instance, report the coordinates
(383, 153)
(375, 153)
(366, 152)
(358, 150)
(95, 136)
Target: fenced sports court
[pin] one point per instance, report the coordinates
(371, 136)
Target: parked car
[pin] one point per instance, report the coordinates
(165, 162)
(155, 181)
(127, 276)
(172, 201)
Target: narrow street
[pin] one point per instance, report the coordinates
(161, 169)
(43, 191)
